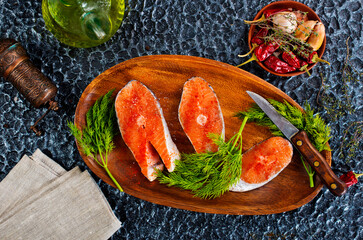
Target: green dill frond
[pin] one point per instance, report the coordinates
(89, 120)
(93, 111)
(217, 139)
(96, 139)
(208, 175)
(82, 141)
(317, 130)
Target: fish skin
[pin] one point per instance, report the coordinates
(200, 114)
(144, 129)
(263, 162)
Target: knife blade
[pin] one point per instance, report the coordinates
(301, 142)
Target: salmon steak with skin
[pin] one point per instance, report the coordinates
(200, 114)
(263, 162)
(144, 129)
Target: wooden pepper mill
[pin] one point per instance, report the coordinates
(16, 67)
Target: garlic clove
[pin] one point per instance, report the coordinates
(301, 16)
(304, 30)
(286, 21)
(317, 36)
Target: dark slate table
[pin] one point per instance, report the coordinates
(212, 29)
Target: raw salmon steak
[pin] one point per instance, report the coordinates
(263, 162)
(200, 114)
(144, 130)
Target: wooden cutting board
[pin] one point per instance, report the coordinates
(165, 75)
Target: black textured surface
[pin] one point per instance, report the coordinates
(207, 28)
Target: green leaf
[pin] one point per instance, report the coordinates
(96, 139)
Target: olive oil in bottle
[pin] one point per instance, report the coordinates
(83, 23)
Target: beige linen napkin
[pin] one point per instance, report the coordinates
(28, 175)
(52, 203)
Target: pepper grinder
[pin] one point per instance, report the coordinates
(16, 67)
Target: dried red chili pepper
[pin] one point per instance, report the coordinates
(256, 41)
(350, 178)
(262, 52)
(275, 64)
(311, 57)
(258, 38)
(291, 59)
(265, 50)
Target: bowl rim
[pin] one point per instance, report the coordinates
(285, 4)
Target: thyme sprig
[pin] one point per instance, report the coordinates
(334, 107)
(208, 175)
(337, 108)
(96, 139)
(351, 144)
(288, 42)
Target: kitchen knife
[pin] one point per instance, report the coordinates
(302, 143)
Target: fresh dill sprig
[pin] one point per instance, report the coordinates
(96, 138)
(208, 175)
(313, 124)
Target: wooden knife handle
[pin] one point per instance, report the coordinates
(319, 164)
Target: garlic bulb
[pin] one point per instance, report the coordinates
(286, 21)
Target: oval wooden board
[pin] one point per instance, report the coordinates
(165, 76)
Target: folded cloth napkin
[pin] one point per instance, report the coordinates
(28, 176)
(40, 200)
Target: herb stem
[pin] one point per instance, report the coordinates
(239, 135)
(310, 172)
(105, 162)
(96, 137)
(111, 176)
(100, 152)
(287, 42)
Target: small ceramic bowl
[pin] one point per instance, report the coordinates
(281, 5)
